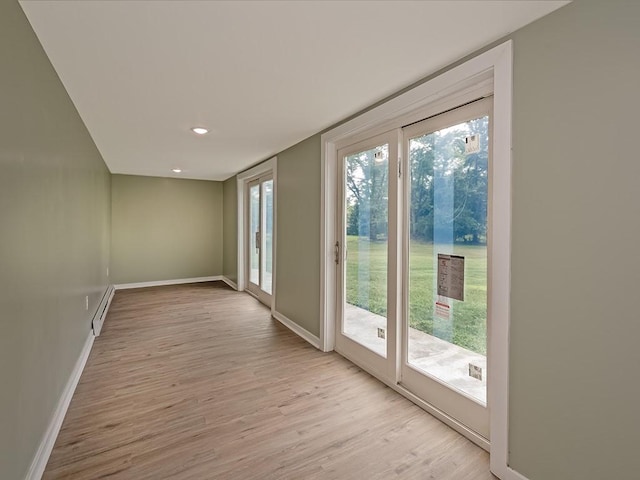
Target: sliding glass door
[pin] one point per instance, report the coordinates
(412, 259)
(260, 238)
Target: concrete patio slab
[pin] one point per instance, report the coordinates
(438, 358)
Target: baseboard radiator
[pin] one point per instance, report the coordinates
(101, 312)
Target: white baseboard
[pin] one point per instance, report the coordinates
(513, 475)
(49, 439)
(230, 282)
(159, 283)
(297, 329)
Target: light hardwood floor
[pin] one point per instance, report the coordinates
(198, 382)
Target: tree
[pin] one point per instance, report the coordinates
(449, 187)
(367, 193)
(448, 199)
(421, 201)
(471, 183)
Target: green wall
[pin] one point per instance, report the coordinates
(576, 266)
(165, 228)
(230, 229)
(54, 245)
(298, 234)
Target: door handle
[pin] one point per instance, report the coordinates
(257, 240)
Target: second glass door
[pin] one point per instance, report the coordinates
(260, 238)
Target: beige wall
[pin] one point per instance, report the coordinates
(576, 266)
(54, 242)
(298, 234)
(230, 229)
(165, 228)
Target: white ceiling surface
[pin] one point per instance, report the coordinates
(261, 75)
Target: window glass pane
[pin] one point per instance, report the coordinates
(254, 227)
(366, 226)
(267, 237)
(448, 255)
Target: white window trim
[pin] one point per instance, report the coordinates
(243, 178)
(445, 91)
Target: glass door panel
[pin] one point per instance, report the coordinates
(367, 254)
(446, 267)
(254, 233)
(366, 181)
(266, 265)
(260, 233)
(448, 256)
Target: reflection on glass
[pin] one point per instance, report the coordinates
(367, 204)
(267, 237)
(448, 215)
(254, 229)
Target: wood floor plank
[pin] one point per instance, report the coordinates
(198, 382)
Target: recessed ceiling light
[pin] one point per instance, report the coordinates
(176, 170)
(199, 130)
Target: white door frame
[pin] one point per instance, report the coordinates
(267, 167)
(488, 73)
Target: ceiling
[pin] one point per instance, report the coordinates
(261, 75)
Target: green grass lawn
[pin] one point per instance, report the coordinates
(366, 286)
